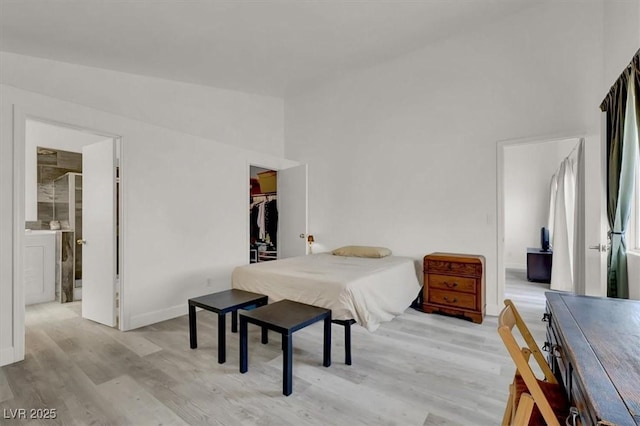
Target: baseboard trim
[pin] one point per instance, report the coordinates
(493, 310)
(7, 356)
(520, 266)
(149, 318)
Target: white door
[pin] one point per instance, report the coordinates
(99, 232)
(595, 232)
(292, 211)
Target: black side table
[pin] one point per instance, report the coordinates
(284, 317)
(539, 265)
(221, 303)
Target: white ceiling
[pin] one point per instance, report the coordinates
(268, 47)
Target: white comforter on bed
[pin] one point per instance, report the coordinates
(367, 290)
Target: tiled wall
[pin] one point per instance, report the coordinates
(51, 165)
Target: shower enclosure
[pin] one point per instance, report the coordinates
(67, 210)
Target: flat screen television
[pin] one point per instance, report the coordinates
(544, 239)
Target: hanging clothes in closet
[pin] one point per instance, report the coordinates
(262, 232)
(271, 221)
(253, 223)
(264, 221)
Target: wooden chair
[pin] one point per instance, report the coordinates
(531, 401)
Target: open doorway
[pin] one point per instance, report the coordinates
(528, 172)
(65, 185)
(283, 193)
(263, 214)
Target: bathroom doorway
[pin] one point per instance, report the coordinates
(66, 170)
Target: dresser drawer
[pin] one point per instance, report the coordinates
(555, 357)
(452, 298)
(455, 268)
(448, 282)
(578, 400)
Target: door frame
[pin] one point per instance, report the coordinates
(500, 200)
(275, 166)
(20, 117)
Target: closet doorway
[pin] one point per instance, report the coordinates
(277, 213)
(263, 214)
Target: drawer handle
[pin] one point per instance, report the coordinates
(451, 285)
(446, 299)
(546, 317)
(572, 417)
(546, 346)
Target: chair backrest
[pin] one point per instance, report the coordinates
(509, 317)
(524, 410)
(530, 341)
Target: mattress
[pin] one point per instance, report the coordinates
(370, 291)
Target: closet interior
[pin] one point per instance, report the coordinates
(263, 215)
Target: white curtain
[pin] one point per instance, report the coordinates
(553, 192)
(579, 241)
(563, 228)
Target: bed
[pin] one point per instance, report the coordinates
(367, 290)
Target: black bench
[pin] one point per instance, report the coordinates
(221, 303)
(284, 317)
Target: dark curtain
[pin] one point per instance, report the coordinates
(615, 106)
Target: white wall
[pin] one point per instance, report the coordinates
(403, 154)
(633, 269)
(621, 37)
(185, 202)
(38, 134)
(240, 119)
(179, 217)
(527, 175)
(7, 232)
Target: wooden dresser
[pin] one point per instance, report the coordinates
(454, 285)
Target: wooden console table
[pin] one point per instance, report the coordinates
(594, 350)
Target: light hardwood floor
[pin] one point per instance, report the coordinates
(418, 369)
